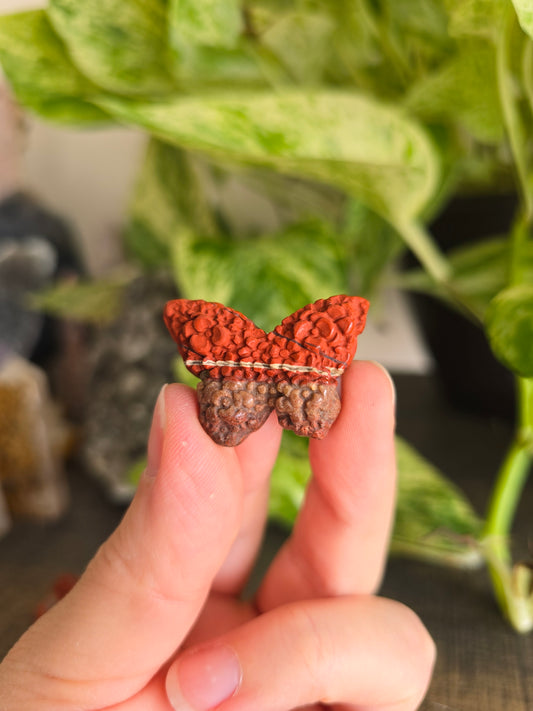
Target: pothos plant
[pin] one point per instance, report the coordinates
(354, 122)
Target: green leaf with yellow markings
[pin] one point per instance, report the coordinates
(265, 277)
(370, 150)
(524, 11)
(41, 72)
(509, 321)
(212, 23)
(434, 521)
(121, 46)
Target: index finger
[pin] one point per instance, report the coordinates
(339, 541)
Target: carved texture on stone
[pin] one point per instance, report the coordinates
(246, 373)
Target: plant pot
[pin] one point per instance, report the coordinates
(473, 380)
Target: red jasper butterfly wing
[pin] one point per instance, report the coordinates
(323, 335)
(316, 342)
(212, 337)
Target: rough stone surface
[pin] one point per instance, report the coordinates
(131, 361)
(230, 410)
(316, 343)
(309, 409)
(33, 441)
(36, 248)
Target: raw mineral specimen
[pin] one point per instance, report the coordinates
(246, 373)
(33, 442)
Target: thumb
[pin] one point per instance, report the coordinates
(147, 583)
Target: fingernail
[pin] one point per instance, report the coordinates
(203, 679)
(389, 377)
(157, 435)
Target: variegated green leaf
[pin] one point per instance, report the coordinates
(419, 18)
(212, 23)
(119, 44)
(371, 245)
(168, 195)
(290, 40)
(434, 521)
(93, 302)
(465, 89)
(480, 271)
(483, 18)
(289, 479)
(524, 11)
(41, 72)
(207, 46)
(371, 150)
(201, 69)
(264, 277)
(509, 321)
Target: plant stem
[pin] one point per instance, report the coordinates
(421, 243)
(525, 386)
(515, 600)
(397, 60)
(505, 497)
(511, 111)
(519, 238)
(504, 500)
(419, 240)
(527, 71)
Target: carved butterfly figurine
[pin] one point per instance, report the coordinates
(246, 373)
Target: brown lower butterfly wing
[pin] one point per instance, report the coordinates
(246, 373)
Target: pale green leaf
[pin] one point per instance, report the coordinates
(265, 278)
(527, 72)
(213, 23)
(289, 479)
(511, 48)
(121, 46)
(354, 56)
(207, 46)
(200, 69)
(414, 36)
(371, 246)
(480, 271)
(481, 18)
(41, 72)
(369, 149)
(93, 302)
(524, 11)
(168, 195)
(434, 521)
(181, 374)
(419, 18)
(134, 473)
(509, 322)
(465, 89)
(302, 42)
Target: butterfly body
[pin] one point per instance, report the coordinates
(304, 354)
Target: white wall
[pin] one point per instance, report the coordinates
(19, 5)
(87, 177)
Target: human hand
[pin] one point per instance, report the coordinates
(156, 623)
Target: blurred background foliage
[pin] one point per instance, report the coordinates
(358, 121)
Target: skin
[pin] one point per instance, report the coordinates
(158, 608)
